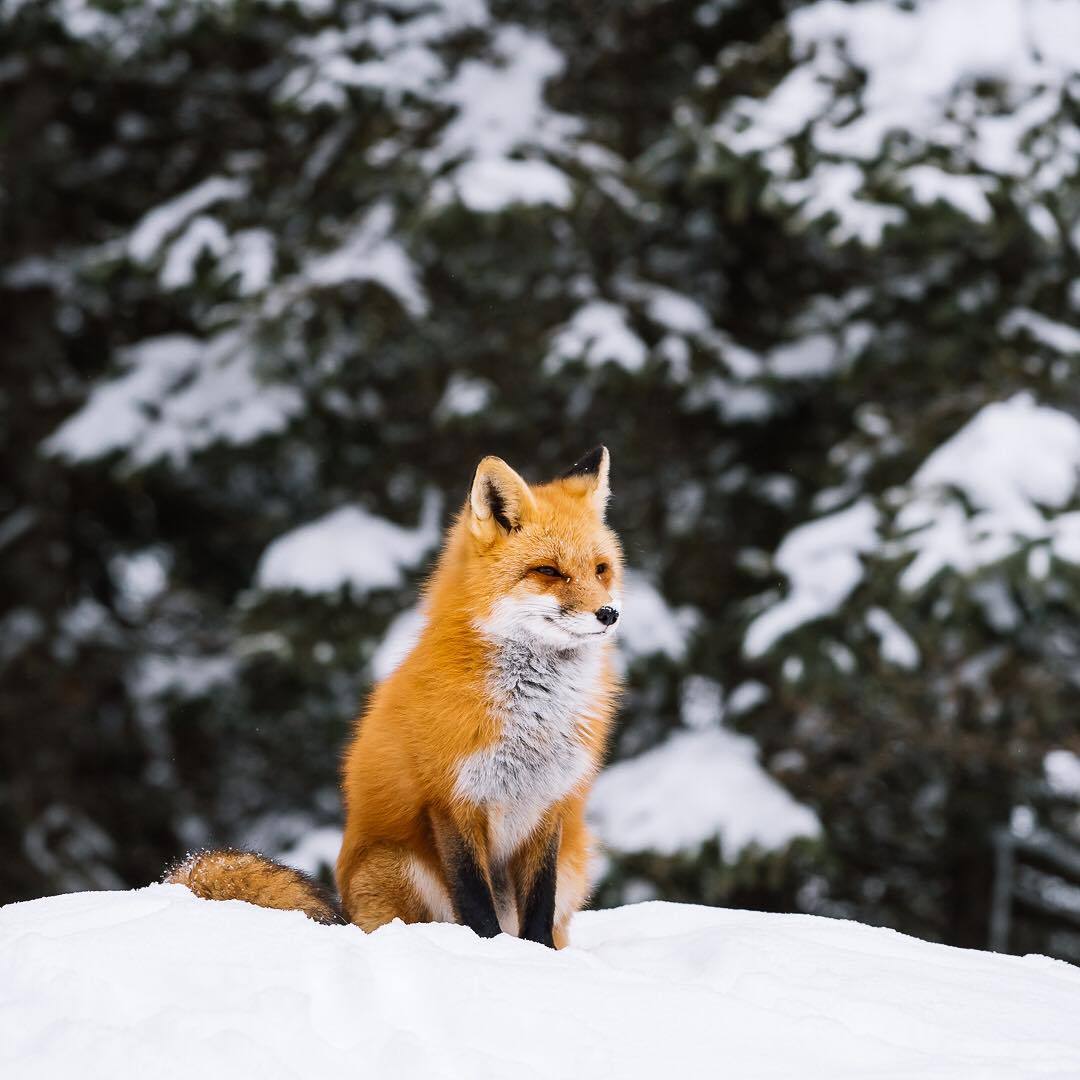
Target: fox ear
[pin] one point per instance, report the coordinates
(499, 498)
(590, 477)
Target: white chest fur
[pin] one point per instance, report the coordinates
(542, 698)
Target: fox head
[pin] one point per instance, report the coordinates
(543, 564)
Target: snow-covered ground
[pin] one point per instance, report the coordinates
(158, 983)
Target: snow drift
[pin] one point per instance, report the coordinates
(158, 983)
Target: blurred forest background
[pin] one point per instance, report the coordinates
(275, 275)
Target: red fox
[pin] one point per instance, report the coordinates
(466, 778)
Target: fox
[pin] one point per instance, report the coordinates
(466, 777)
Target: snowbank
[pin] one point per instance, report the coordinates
(157, 983)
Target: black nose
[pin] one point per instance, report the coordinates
(607, 615)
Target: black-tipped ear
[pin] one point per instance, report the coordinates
(590, 477)
(589, 465)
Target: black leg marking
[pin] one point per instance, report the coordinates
(472, 896)
(538, 918)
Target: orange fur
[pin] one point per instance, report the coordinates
(438, 708)
(241, 875)
(435, 735)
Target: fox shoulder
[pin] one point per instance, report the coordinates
(243, 875)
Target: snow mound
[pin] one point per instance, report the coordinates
(158, 983)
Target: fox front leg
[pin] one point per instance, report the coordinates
(470, 890)
(538, 874)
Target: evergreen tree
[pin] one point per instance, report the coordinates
(278, 273)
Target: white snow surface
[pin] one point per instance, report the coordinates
(398, 641)
(158, 983)
(812, 357)
(251, 260)
(369, 253)
(895, 643)
(500, 111)
(1062, 769)
(649, 625)
(1009, 479)
(501, 105)
(493, 151)
(746, 696)
(349, 546)
(929, 184)
(204, 235)
(1013, 461)
(488, 186)
(155, 227)
(464, 396)
(1059, 337)
(821, 560)
(597, 334)
(316, 851)
(405, 49)
(1012, 455)
(174, 396)
(917, 65)
(695, 787)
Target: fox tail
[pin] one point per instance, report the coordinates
(243, 875)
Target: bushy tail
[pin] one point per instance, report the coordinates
(242, 875)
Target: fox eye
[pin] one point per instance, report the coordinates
(547, 571)
(601, 569)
